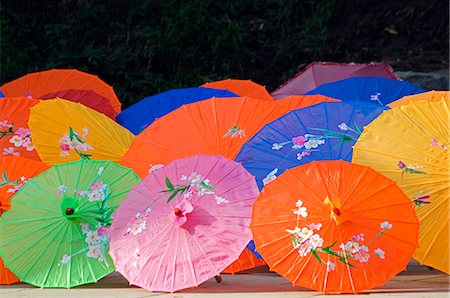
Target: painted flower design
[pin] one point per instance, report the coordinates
(96, 236)
(220, 200)
(276, 146)
(314, 226)
(307, 239)
(5, 125)
(379, 252)
(97, 192)
(76, 142)
(303, 154)
(97, 240)
(301, 210)
(359, 237)
(16, 140)
(84, 228)
(65, 259)
(21, 138)
(300, 140)
(355, 250)
(16, 185)
(91, 237)
(362, 254)
(434, 142)
(100, 171)
(10, 151)
(313, 144)
(343, 126)
(385, 225)
(136, 255)
(419, 199)
(234, 132)
(308, 143)
(270, 177)
(376, 97)
(6, 128)
(331, 266)
(61, 189)
(412, 169)
(94, 251)
(153, 168)
(196, 185)
(304, 143)
(138, 223)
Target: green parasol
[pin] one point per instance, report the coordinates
(56, 233)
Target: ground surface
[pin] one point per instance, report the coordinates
(417, 281)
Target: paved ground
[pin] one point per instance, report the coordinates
(417, 281)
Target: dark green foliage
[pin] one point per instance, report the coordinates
(146, 47)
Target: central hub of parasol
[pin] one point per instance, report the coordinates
(178, 212)
(334, 207)
(69, 207)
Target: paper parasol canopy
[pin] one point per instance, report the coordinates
(64, 131)
(242, 88)
(14, 173)
(40, 83)
(319, 73)
(88, 98)
(15, 137)
(410, 144)
(430, 95)
(184, 224)
(369, 89)
(325, 131)
(334, 227)
(56, 232)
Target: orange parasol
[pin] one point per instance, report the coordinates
(242, 88)
(40, 83)
(217, 126)
(6, 276)
(335, 227)
(247, 260)
(14, 173)
(430, 96)
(15, 137)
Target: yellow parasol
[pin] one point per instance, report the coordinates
(410, 145)
(430, 95)
(64, 131)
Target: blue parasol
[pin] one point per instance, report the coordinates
(326, 131)
(367, 89)
(140, 115)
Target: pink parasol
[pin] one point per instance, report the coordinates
(319, 73)
(184, 224)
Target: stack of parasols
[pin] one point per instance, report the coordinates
(335, 180)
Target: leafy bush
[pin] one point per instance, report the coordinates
(145, 47)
